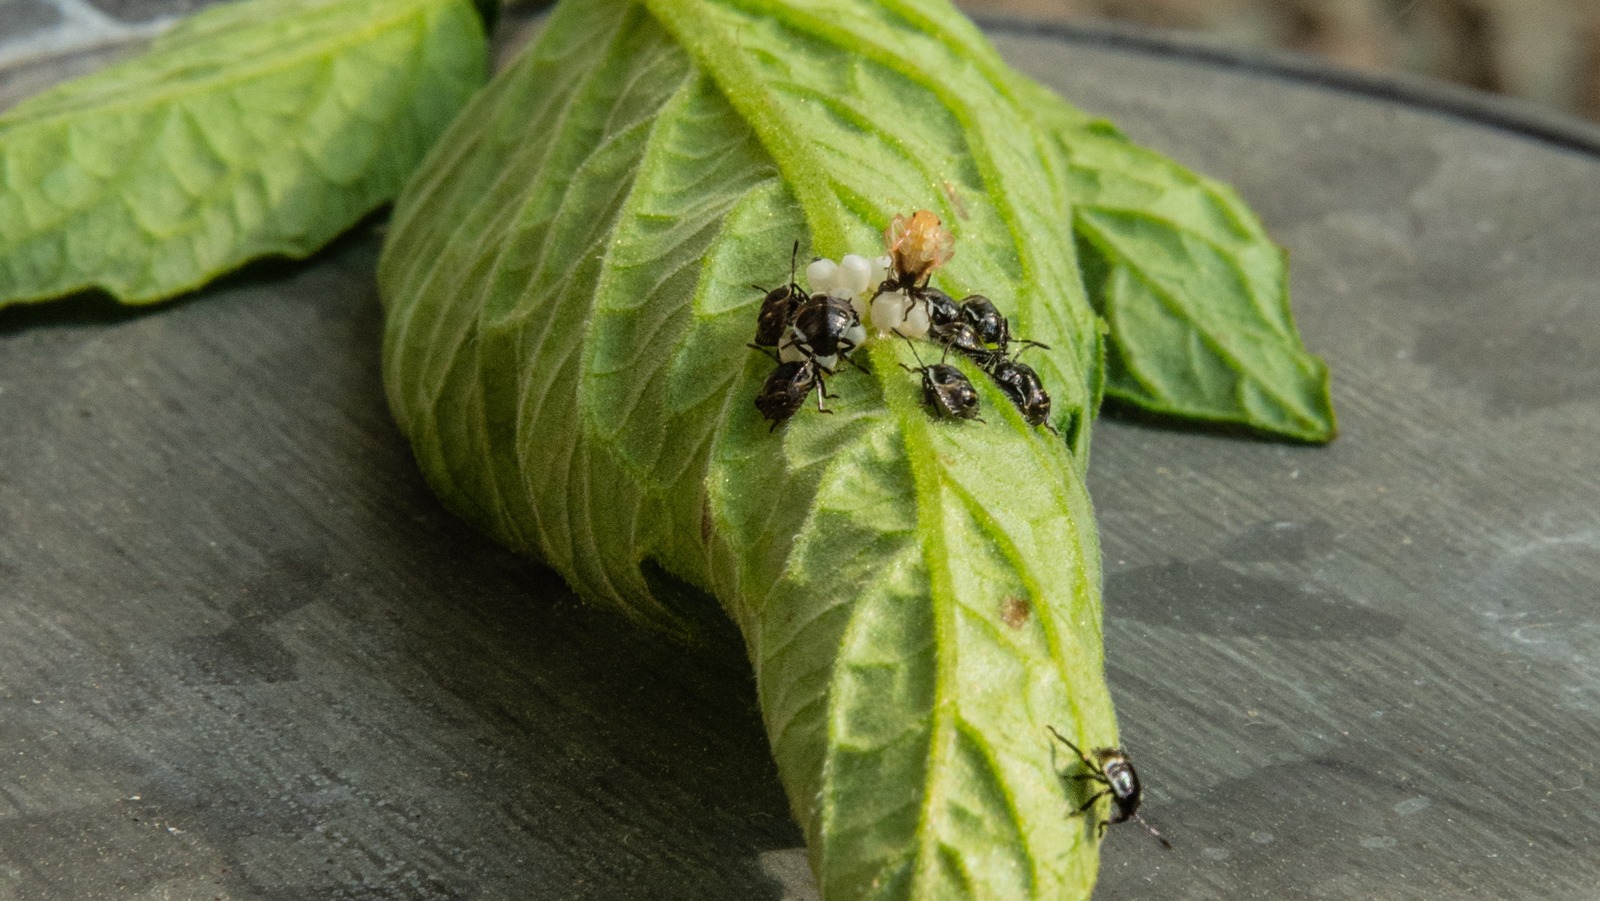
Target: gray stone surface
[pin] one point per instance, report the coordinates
(145, 10)
(1370, 670)
(21, 18)
(40, 34)
(244, 654)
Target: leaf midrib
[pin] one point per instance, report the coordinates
(928, 484)
(740, 84)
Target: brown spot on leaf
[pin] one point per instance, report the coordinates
(1014, 611)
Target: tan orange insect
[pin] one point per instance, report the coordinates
(918, 244)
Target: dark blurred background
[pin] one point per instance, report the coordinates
(1547, 51)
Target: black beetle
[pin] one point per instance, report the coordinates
(946, 390)
(986, 321)
(786, 389)
(990, 327)
(1112, 768)
(942, 310)
(825, 326)
(779, 306)
(959, 336)
(1022, 385)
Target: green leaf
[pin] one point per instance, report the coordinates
(567, 289)
(1195, 292)
(251, 129)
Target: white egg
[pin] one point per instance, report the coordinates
(888, 311)
(828, 363)
(880, 269)
(862, 304)
(855, 274)
(823, 274)
(856, 334)
(916, 324)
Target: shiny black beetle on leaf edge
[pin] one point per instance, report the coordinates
(1112, 768)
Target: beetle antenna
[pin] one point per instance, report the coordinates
(846, 358)
(1152, 830)
(1027, 343)
(913, 347)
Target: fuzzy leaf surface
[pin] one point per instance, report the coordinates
(1194, 290)
(251, 129)
(568, 295)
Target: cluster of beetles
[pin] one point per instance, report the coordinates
(810, 334)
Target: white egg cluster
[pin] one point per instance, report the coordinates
(896, 312)
(809, 334)
(851, 279)
(859, 280)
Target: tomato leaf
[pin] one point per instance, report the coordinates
(568, 296)
(251, 129)
(1193, 289)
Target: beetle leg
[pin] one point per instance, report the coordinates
(766, 350)
(822, 391)
(1063, 739)
(1090, 803)
(845, 346)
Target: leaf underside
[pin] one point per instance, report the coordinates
(567, 289)
(251, 129)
